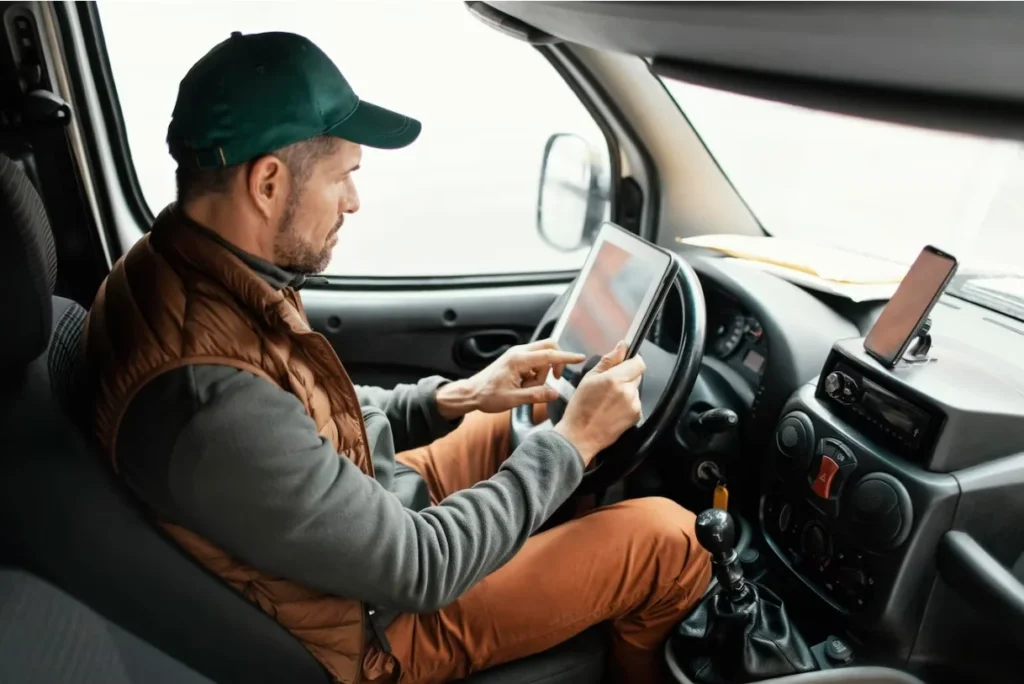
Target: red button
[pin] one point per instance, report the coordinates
(826, 473)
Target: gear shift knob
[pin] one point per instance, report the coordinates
(716, 532)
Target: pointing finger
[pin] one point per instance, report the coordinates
(547, 343)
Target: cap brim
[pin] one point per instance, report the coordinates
(375, 126)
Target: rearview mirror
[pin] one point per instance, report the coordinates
(574, 193)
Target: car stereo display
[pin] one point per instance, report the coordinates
(897, 423)
(901, 419)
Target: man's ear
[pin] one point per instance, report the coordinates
(267, 185)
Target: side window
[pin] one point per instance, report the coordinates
(463, 199)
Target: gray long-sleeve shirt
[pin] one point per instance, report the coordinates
(238, 460)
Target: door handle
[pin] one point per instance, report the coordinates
(480, 348)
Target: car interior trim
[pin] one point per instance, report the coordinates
(948, 65)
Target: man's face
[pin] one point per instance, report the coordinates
(315, 211)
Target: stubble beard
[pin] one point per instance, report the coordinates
(292, 252)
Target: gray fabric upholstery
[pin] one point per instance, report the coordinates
(30, 268)
(47, 637)
(63, 359)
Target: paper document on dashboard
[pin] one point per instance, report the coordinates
(856, 277)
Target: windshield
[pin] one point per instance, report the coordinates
(865, 186)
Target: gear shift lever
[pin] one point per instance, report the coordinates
(741, 633)
(716, 532)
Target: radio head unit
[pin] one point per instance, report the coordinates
(907, 427)
(963, 407)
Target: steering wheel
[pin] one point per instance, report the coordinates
(666, 384)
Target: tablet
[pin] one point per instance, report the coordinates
(616, 297)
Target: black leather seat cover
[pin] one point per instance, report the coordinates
(65, 518)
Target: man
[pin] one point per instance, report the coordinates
(238, 426)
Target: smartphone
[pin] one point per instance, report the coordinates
(917, 293)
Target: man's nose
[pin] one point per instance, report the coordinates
(349, 204)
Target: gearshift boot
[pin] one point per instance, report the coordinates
(740, 633)
(749, 639)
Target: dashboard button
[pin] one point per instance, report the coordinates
(815, 543)
(826, 473)
(785, 515)
(794, 438)
(841, 456)
(854, 580)
(837, 651)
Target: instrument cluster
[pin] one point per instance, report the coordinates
(733, 335)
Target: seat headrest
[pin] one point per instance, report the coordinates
(28, 268)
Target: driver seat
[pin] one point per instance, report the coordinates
(65, 518)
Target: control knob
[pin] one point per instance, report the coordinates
(841, 387)
(794, 438)
(816, 543)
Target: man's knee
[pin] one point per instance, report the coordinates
(660, 516)
(667, 529)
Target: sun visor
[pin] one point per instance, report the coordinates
(954, 66)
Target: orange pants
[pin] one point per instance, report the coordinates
(635, 565)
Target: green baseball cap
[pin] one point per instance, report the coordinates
(256, 93)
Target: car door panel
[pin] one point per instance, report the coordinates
(385, 337)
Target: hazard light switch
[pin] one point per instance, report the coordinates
(826, 473)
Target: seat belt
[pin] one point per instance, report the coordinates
(42, 124)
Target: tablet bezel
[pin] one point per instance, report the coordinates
(649, 306)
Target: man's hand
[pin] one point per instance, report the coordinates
(606, 404)
(515, 378)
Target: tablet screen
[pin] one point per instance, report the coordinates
(610, 300)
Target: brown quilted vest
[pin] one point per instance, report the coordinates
(177, 298)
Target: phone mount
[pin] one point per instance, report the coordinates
(920, 344)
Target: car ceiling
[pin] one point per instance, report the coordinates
(953, 66)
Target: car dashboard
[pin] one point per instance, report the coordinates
(764, 338)
(854, 475)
